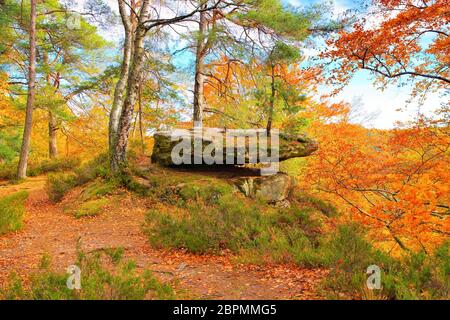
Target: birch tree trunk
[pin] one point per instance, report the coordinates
(24, 151)
(118, 157)
(199, 66)
(141, 129)
(119, 91)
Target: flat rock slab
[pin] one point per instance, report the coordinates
(289, 146)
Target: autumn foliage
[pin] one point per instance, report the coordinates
(396, 40)
(394, 181)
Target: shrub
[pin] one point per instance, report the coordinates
(217, 222)
(96, 168)
(54, 165)
(97, 189)
(126, 180)
(98, 281)
(59, 184)
(420, 276)
(416, 276)
(8, 170)
(12, 208)
(325, 207)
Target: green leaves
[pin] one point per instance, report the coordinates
(283, 53)
(284, 22)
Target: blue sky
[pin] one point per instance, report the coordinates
(385, 103)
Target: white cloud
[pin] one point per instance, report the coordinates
(385, 104)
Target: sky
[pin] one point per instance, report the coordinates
(383, 107)
(389, 105)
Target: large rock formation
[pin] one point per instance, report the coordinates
(165, 141)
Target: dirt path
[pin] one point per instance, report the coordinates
(48, 229)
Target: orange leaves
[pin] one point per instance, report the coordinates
(400, 39)
(396, 182)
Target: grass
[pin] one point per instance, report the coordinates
(104, 276)
(90, 208)
(97, 189)
(215, 218)
(12, 209)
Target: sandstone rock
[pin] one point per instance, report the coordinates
(289, 146)
(274, 188)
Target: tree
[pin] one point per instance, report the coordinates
(279, 54)
(265, 16)
(10, 120)
(67, 49)
(392, 181)
(116, 108)
(65, 58)
(240, 95)
(23, 161)
(144, 25)
(229, 32)
(408, 42)
(200, 53)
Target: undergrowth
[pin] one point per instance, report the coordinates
(8, 170)
(60, 183)
(207, 218)
(104, 276)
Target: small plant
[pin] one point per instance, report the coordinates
(104, 276)
(12, 208)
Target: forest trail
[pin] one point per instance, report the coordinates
(48, 229)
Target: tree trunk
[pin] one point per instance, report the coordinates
(272, 100)
(52, 130)
(141, 130)
(23, 161)
(52, 123)
(118, 157)
(119, 92)
(199, 67)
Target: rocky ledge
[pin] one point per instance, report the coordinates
(289, 146)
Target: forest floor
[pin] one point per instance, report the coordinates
(49, 229)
